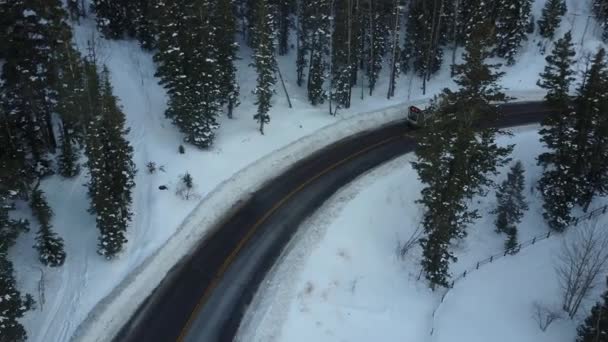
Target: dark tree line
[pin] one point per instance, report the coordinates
(50, 96)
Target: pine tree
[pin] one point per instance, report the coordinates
(49, 245)
(377, 42)
(302, 41)
(456, 162)
(513, 18)
(30, 72)
(595, 326)
(551, 17)
(590, 141)
(13, 304)
(118, 19)
(318, 28)
(110, 166)
(283, 11)
(227, 54)
(556, 183)
(511, 204)
(600, 9)
(424, 26)
(71, 109)
(264, 63)
(343, 59)
(188, 70)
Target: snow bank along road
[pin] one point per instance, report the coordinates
(204, 297)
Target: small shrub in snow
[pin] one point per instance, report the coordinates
(544, 315)
(151, 167)
(186, 188)
(181, 149)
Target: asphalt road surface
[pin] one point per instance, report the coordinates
(204, 297)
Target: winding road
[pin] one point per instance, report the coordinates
(205, 296)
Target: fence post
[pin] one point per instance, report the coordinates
(451, 286)
(464, 275)
(549, 234)
(492, 258)
(534, 240)
(604, 211)
(477, 265)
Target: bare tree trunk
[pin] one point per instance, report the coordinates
(283, 84)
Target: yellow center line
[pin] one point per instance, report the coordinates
(228, 261)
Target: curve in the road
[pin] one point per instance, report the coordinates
(204, 297)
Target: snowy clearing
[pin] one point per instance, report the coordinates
(341, 278)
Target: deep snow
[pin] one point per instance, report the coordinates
(341, 278)
(240, 161)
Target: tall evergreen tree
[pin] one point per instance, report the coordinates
(342, 54)
(317, 28)
(456, 162)
(556, 184)
(595, 326)
(376, 41)
(127, 18)
(395, 53)
(551, 17)
(110, 166)
(264, 62)
(187, 66)
(511, 204)
(30, 72)
(13, 304)
(227, 54)
(424, 36)
(513, 18)
(590, 127)
(600, 9)
(48, 243)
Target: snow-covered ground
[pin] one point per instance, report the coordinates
(164, 226)
(341, 278)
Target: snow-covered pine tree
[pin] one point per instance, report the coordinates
(302, 25)
(551, 17)
(600, 9)
(227, 54)
(48, 244)
(590, 142)
(342, 54)
(38, 29)
(511, 204)
(117, 19)
(71, 110)
(513, 18)
(110, 165)
(187, 66)
(318, 28)
(423, 37)
(595, 326)
(454, 161)
(377, 41)
(264, 63)
(556, 184)
(13, 304)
